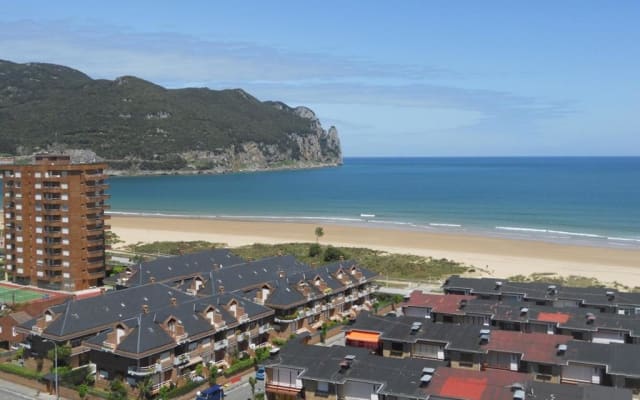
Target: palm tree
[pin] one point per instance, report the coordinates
(144, 389)
(319, 233)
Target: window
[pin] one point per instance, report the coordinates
(323, 387)
(66, 275)
(64, 197)
(65, 253)
(65, 231)
(37, 175)
(40, 274)
(65, 219)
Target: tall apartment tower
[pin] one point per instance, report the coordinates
(55, 223)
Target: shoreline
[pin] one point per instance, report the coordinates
(561, 237)
(500, 257)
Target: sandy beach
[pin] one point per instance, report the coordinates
(499, 257)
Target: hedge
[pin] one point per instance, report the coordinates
(20, 371)
(184, 389)
(239, 366)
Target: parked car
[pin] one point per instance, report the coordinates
(215, 392)
(260, 374)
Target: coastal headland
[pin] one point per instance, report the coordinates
(498, 257)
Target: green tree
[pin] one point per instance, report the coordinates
(252, 383)
(213, 375)
(83, 390)
(111, 238)
(314, 250)
(117, 390)
(64, 354)
(332, 254)
(319, 233)
(144, 388)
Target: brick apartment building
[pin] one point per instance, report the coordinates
(55, 223)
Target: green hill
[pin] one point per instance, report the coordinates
(136, 125)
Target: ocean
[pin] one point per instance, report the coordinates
(581, 200)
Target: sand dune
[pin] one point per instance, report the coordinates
(500, 257)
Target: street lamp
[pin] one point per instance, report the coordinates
(55, 365)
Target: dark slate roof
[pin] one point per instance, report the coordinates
(399, 377)
(573, 318)
(170, 268)
(556, 391)
(147, 334)
(248, 275)
(620, 359)
(595, 296)
(456, 384)
(76, 316)
(463, 337)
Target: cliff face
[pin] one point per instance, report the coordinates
(140, 127)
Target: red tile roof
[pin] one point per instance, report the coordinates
(448, 304)
(536, 347)
(553, 317)
(474, 385)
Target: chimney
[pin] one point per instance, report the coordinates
(561, 349)
(281, 273)
(152, 279)
(174, 301)
(524, 311)
(590, 318)
(427, 375)
(611, 295)
(221, 289)
(145, 308)
(347, 361)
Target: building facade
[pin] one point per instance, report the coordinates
(55, 223)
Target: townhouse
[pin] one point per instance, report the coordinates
(301, 296)
(547, 358)
(151, 331)
(550, 294)
(174, 313)
(580, 323)
(314, 372)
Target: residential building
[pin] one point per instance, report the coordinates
(151, 331)
(580, 323)
(541, 293)
(55, 223)
(303, 297)
(315, 372)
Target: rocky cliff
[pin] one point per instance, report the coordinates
(140, 127)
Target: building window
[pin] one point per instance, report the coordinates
(66, 275)
(323, 387)
(65, 219)
(65, 231)
(64, 197)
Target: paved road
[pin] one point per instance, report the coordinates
(243, 390)
(13, 391)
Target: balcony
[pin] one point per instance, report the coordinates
(181, 359)
(108, 346)
(144, 371)
(79, 350)
(221, 344)
(264, 328)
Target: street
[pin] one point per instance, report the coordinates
(13, 391)
(243, 390)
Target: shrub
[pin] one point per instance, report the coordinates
(20, 371)
(262, 353)
(333, 254)
(314, 250)
(238, 366)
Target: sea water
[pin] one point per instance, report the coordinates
(582, 200)
(588, 200)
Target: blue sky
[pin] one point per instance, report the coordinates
(410, 78)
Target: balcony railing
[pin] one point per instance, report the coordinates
(181, 359)
(143, 371)
(221, 344)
